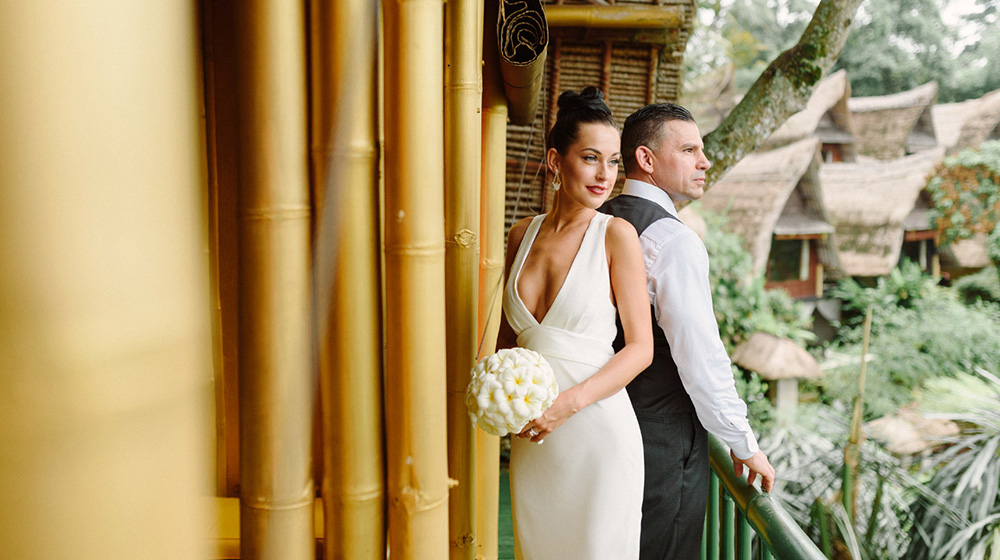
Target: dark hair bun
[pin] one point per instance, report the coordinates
(575, 109)
(590, 99)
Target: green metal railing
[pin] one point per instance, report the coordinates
(737, 512)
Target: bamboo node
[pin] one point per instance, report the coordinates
(465, 238)
(464, 542)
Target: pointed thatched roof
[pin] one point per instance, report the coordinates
(908, 431)
(967, 124)
(755, 192)
(826, 115)
(885, 125)
(776, 358)
(867, 204)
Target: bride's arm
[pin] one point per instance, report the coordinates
(506, 337)
(628, 283)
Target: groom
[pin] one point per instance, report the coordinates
(689, 386)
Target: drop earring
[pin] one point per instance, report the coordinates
(556, 183)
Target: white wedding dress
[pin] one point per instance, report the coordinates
(578, 496)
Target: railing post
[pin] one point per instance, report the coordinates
(728, 527)
(704, 539)
(778, 534)
(744, 537)
(713, 517)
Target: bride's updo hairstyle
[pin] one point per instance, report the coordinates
(575, 109)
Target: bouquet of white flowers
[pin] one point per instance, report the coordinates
(509, 389)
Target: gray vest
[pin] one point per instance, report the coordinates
(658, 389)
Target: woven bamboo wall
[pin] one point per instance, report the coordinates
(631, 73)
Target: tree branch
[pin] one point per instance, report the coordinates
(783, 89)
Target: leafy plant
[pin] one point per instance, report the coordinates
(966, 193)
(983, 286)
(959, 515)
(808, 456)
(919, 331)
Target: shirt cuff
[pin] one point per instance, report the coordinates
(745, 447)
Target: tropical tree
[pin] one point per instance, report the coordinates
(783, 88)
(896, 45)
(974, 76)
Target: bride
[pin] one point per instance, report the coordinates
(579, 495)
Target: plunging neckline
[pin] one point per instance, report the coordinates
(569, 273)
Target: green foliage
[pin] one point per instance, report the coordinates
(958, 514)
(966, 193)
(808, 456)
(753, 390)
(902, 287)
(972, 77)
(896, 45)
(759, 30)
(919, 331)
(983, 286)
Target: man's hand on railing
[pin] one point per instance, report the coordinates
(758, 465)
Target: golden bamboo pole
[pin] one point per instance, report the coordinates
(494, 161)
(463, 129)
(345, 166)
(612, 17)
(104, 328)
(220, 114)
(416, 424)
(276, 388)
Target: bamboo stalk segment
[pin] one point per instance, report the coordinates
(104, 328)
(522, 36)
(416, 420)
(494, 163)
(275, 386)
(594, 16)
(463, 126)
(220, 116)
(347, 262)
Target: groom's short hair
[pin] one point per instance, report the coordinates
(645, 128)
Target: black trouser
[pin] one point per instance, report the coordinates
(676, 490)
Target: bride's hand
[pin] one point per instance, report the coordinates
(554, 416)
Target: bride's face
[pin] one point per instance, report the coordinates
(589, 167)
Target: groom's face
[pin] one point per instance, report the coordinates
(679, 162)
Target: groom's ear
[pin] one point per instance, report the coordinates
(644, 158)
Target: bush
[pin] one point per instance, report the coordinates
(919, 331)
(966, 193)
(983, 286)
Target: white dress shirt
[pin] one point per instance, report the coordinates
(677, 280)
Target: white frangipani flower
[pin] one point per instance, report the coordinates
(508, 389)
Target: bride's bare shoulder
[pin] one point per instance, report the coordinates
(516, 233)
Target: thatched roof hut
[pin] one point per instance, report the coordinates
(909, 432)
(890, 126)
(967, 124)
(825, 116)
(633, 67)
(756, 195)
(867, 204)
